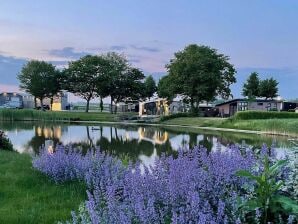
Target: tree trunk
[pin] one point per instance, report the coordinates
(192, 107)
(116, 108)
(101, 105)
(111, 109)
(41, 103)
(35, 102)
(87, 105)
(52, 101)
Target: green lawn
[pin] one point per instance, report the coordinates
(278, 125)
(196, 121)
(26, 196)
(30, 115)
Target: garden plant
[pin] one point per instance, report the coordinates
(195, 186)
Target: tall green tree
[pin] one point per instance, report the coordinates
(86, 77)
(251, 87)
(123, 81)
(34, 79)
(201, 73)
(149, 87)
(165, 87)
(54, 86)
(269, 88)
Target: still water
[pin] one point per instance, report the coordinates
(143, 143)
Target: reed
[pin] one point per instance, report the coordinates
(36, 115)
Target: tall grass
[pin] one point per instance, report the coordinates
(247, 115)
(36, 115)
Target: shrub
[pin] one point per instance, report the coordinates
(196, 186)
(247, 115)
(5, 143)
(177, 115)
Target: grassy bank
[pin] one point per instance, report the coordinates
(26, 196)
(277, 125)
(33, 115)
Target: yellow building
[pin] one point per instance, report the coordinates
(155, 107)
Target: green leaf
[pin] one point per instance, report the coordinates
(277, 186)
(252, 205)
(287, 203)
(245, 173)
(277, 166)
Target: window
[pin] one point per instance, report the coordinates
(242, 106)
(260, 104)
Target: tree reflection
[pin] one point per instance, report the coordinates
(42, 134)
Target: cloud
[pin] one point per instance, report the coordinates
(134, 58)
(9, 68)
(67, 52)
(145, 48)
(9, 88)
(118, 47)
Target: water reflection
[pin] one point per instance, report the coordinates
(144, 143)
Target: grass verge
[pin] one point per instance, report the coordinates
(26, 196)
(276, 126)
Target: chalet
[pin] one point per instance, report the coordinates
(20, 100)
(229, 108)
(163, 107)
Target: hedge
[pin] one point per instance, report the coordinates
(248, 115)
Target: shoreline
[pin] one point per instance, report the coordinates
(209, 128)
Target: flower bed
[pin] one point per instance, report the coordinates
(194, 187)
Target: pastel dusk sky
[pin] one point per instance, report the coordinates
(257, 35)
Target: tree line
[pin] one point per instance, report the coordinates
(197, 73)
(89, 77)
(255, 87)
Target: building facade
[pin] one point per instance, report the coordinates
(230, 107)
(11, 100)
(18, 100)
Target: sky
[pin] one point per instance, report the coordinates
(257, 35)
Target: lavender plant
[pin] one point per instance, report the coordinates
(197, 186)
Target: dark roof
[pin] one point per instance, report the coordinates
(10, 94)
(243, 100)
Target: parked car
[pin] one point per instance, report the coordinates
(45, 107)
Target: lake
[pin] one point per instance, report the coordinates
(138, 143)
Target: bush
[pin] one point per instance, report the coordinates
(248, 115)
(172, 116)
(5, 143)
(197, 186)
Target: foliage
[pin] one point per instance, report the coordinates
(266, 199)
(165, 88)
(54, 85)
(268, 88)
(251, 88)
(247, 115)
(5, 143)
(196, 186)
(36, 79)
(123, 81)
(172, 116)
(200, 73)
(149, 87)
(86, 77)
